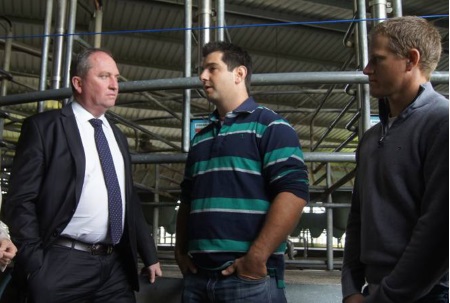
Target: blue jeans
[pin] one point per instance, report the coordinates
(212, 286)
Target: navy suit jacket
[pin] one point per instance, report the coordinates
(45, 187)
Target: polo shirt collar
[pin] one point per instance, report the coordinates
(247, 106)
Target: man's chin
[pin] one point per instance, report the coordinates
(211, 98)
(378, 96)
(375, 93)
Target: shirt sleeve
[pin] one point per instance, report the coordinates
(4, 231)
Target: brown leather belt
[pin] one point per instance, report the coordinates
(94, 249)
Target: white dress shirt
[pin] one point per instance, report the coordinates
(90, 220)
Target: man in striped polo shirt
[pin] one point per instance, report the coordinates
(243, 192)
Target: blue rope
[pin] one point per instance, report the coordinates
(162, 30)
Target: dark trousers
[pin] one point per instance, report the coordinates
(72, 276)
(439, 294)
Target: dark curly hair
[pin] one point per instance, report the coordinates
(233, 56)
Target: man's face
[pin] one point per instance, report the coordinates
(385, 69)
(99, 88)
(217, 81)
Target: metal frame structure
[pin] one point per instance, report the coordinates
(378, 8)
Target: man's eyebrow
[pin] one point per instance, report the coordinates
(211, 64)
(108, 73)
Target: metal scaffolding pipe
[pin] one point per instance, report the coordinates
(181, 157)
(205, 21)
(45, 51)
(69, 44)
(362, 45)
(6, 66)
(142, 129)
(334, 123)
(156, 209)
(329, 214)
(24, 48)
(220, 20)
(58, 43)
(194, 82)
(185, 140)
(324, 100)
(155, 101)
(7, 59)
(98, 24)
(397, 8)
(379, 10)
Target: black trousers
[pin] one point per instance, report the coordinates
(438, 294)
(72, 276)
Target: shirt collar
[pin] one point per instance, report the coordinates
(419, 101)
(83, 115)
(248, 106)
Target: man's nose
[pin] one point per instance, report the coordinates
(368, 69)
(203, 75)
(114, 84)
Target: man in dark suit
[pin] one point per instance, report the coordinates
(57, 204)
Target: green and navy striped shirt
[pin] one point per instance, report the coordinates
(233, 171)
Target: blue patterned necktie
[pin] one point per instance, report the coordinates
(112, 184)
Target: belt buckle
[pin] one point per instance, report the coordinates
(95, 249)
(99, 249)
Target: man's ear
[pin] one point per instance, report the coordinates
(240, 74)
(413, 58)
(76, 82)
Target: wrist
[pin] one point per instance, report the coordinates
(258, 254)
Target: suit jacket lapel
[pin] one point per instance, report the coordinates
(75, 146)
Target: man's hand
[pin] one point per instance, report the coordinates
(356, 298)
(185, 263)
(247, 267)
(153, 272)
(7, 251)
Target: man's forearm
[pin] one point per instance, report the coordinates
(283, 216)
